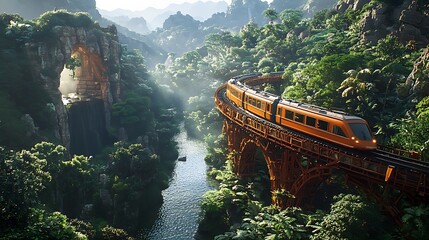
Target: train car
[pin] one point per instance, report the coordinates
(235, 92)
(261, 104)
(330, 125)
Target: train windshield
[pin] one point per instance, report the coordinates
(361, 131)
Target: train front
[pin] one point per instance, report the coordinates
(362, 137)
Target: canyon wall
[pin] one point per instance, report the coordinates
(99, 73)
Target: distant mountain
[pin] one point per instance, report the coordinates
(30, 9)
(137, 24)
(156, 17)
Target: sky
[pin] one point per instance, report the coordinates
(143, 4)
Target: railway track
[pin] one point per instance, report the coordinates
(400, 161)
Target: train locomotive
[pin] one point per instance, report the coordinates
(330, 125)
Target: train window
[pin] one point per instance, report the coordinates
(361, 131)
(289, 114)
(299, 117)
(322, 125)
(337, 130)
(310, 121)
(268, 107)
(279, 111)
(258, 104)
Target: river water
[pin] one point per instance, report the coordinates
(179, 214)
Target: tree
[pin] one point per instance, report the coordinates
(218, 44)
(272, 223)
(134, 114)
(271, 14)
(415, 221)
(249, 35)
(413, 135)
(75, 184)
(22, 177)
(291, 18)
(423, 107)
(351, 218)
(134, 182)
(45, 226)
(357, 89)
(54, 155)
(111, 233)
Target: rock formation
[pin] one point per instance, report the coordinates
(418, 81)
(405, 19)
(99, 50)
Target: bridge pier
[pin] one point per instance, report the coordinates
(284, 171)
(293, 177)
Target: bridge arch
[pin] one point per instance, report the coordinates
(287, 169)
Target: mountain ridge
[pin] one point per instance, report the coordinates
(155, 17)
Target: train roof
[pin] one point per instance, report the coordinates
(262, 94)
(333, 113)
(338, 114)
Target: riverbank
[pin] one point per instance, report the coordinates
(179, 214)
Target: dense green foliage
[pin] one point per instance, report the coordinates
(324, 63)
(24, 104)
(351, 217)
(22, 178)
(413, 131)
(236, 203)
(44, 187)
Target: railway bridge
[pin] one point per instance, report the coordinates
(298, 163)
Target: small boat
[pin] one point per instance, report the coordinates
(182, 159)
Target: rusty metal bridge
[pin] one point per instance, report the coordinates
(299, 163)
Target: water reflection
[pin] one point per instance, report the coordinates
(179, 215)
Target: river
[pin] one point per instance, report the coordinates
(179, 214)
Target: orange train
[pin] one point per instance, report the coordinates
(334, 126)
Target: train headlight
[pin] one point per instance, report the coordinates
(357, 141)
(353, 138)
(374, 141)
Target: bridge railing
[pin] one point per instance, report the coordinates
(401, 152)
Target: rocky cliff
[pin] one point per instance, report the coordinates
(406, 19)
(418, 81)
(97, 76)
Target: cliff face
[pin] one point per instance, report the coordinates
(405, 19)
(418, 81)
(409, 21)
(97, 77)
